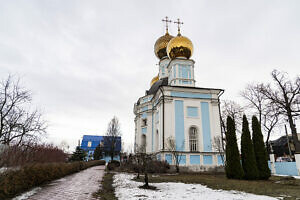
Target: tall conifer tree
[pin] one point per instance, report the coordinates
(233, 166)
(260, 150)
(248, 156)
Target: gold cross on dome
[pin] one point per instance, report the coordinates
(178, 22)
(167, 21)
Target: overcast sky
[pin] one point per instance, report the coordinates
(86, 61)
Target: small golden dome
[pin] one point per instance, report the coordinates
(154, 80)
(180, 46)
(160, 45)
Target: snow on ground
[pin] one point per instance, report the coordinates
(296, 177)
(26, 195)
(127, 189)
(3, 169)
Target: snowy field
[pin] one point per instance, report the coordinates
(127, 189)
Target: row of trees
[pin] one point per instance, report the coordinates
(274, 103)
(254, 156)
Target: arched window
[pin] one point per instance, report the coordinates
(193, 138)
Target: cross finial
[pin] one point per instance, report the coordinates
(178, 22)
(166, 20)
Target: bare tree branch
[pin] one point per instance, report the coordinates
(17, 122)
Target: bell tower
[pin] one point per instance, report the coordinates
(181, 67)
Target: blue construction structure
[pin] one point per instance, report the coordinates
(90, 142)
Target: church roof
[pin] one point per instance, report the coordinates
(154, 88)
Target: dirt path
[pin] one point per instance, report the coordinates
(79, 186)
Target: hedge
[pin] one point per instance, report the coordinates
(18, 181)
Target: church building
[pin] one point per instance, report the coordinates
(174, 109)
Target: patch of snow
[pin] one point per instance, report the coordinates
(26, 195)
(296, 177)
(3, 169)
(127, 189)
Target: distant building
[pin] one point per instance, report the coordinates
(90, 142)
(280, 146)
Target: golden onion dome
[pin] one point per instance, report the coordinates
(180, 46)
(154, 80)
(160, 45)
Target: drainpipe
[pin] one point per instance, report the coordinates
(163, 118)
(221, 118)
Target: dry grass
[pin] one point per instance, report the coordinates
(289, 188)
(107, 191)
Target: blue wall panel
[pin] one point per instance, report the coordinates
(169, 158)
(192, 111)
(195, 159)
(182, 160)
(144, 130)
(220, 160)
(158, 157)
(144, 108)
(108, 158)
(207, 160)
(144, 115)
(286, 168)
(191, 95)
(206, 127)
(179, 125)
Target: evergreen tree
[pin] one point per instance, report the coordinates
(233, 166)
(248, 156)
(98, 152)
(260, 150)
(78, 155)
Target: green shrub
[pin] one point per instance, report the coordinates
(247, 151)
(17, 181)
(233, 166)
(260, 150)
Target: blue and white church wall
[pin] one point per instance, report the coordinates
(184, 109)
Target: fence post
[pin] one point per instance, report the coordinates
(297, 158)
(272, 162)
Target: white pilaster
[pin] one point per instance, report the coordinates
(272, 162)
(297, 158)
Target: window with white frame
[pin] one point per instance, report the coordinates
(193, 138)
(89, 144)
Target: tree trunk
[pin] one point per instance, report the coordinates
(267, 142)
(177, 168)
(146, 179)
(294, 131)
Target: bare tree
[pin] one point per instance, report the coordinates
(267, 112)
(234, 110)
(219, 146)
(113, 135)
(270, 119)
(171, 147)
(144, 164)
(286, 97)
(256, 99)
(18, 124)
